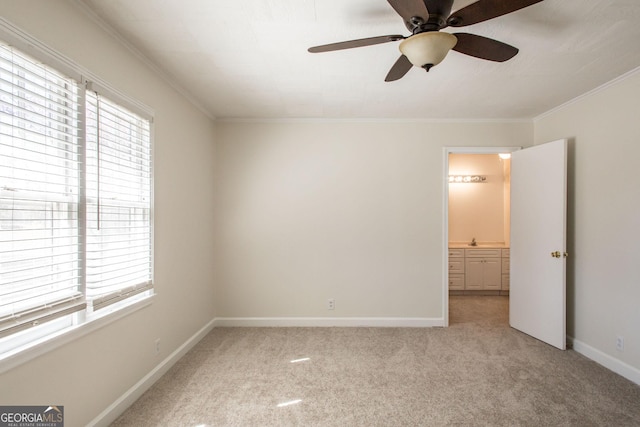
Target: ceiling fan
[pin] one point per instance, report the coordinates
(427, 46)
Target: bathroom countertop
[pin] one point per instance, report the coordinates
(481, 245)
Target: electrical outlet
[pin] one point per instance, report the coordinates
(331, 304)
(158, 346)
(620, 343)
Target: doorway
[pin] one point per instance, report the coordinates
(476, 210)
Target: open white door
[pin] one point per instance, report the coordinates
(537, 296)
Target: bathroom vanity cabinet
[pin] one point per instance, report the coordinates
(505, 269)
(456, 269)
(479, 269)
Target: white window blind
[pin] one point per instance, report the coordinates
(40, 263)
(75, 199)
(119, 234)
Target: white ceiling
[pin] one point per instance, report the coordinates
(249, 59)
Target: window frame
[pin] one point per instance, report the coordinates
(33, 342)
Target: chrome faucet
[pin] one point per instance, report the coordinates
(473, 242)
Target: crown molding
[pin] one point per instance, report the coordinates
(307, 120)
(164, 75)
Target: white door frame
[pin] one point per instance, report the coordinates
(445, 214)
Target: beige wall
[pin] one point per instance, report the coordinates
(351, 211)
(477, 210)
(90, 373)
(604, 221)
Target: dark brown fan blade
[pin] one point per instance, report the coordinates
(355, 43)
(410, 8)
(439, 7)
(399, 69)
(484, 48)
(483, 10)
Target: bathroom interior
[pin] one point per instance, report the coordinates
(479, 224)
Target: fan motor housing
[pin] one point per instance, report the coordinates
(418, 25)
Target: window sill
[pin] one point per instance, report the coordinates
(24, 354)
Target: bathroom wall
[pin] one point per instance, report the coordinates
(506, 170)
(479, 210)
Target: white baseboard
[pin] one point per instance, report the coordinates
(619, 367)
(130, 396)
(377, 322)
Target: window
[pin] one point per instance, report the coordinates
(75, 200)
(118, 200)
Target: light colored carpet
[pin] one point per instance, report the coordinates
(477, 372)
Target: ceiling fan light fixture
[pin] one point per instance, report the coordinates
(427, 49)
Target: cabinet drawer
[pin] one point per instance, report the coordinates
(456, 253)
(483, 253)
(456, 282)
(456, 265)
(505, 253)
(505, 266)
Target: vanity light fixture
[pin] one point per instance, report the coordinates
(504, 156)
(465, 179)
